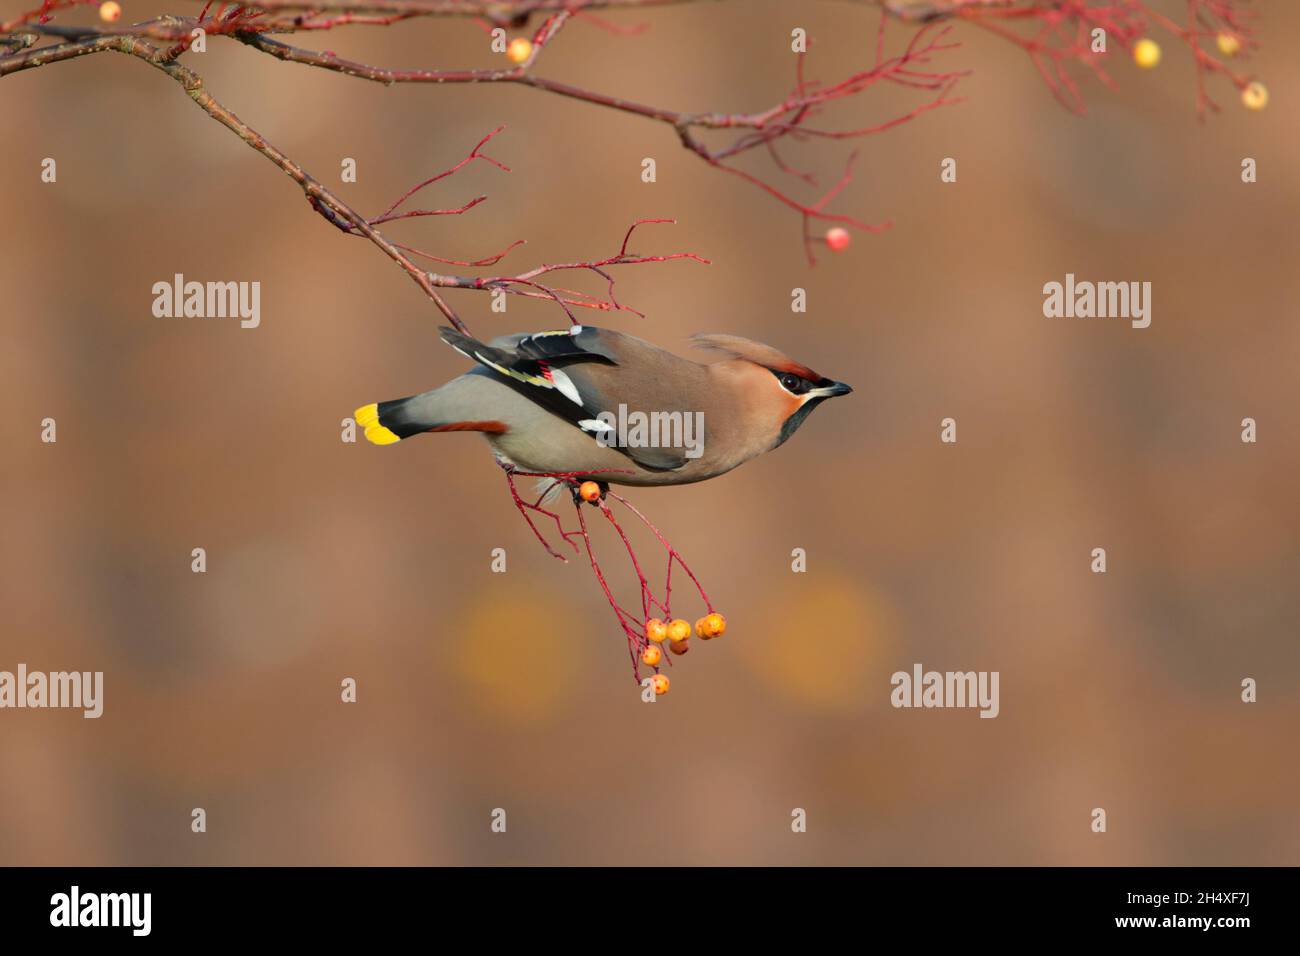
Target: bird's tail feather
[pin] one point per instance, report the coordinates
(386, 423)
(377, 432)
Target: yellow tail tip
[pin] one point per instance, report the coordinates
(367, 415)
(377, 434)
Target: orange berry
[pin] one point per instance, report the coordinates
(680, 647)
(702, 630)
(589, 491)
(656, 630)
(838, 239)
(519, 50)
(678, 630)
(715, 624)
(660, 683)
(110, 11)
(651, 656)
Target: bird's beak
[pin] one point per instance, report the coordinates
(831, 390)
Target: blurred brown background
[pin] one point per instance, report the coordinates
(480, 690)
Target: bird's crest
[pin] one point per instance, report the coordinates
(755, 352)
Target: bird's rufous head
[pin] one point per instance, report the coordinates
(787, 390)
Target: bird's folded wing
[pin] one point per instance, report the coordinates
(535, 365)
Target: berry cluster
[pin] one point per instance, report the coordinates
(1254, 94)
(676, 634)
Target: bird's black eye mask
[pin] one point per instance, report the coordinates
(797, 385)
(813, 393)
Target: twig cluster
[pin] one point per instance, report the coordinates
(1060, 37)
(1057, 34)
(632, 624)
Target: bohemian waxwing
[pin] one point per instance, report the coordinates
(597, 402)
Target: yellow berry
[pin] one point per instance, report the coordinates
(1229, 45)
(716, 624)
(1255, 96)
(519, 50)
(1146, 53)
(660, 683)
(651, 656)
(678, 630)
(702, 630)
(110, 11)
(656, 630)
(589, 491)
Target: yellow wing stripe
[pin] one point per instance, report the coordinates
(515, 373)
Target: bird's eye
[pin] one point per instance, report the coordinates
(791, 383)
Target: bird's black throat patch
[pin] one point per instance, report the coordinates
(794, 421)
